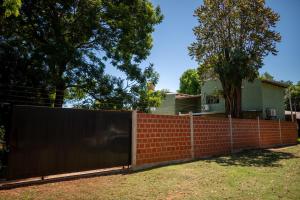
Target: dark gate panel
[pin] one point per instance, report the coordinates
(45, 141)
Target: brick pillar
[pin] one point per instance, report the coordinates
(133, 138)
(279, 123)
(258, 130)
(230, 132)
(192, 135)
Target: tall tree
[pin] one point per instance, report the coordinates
(22, 79)
(232, 38)
(112, 93)
(73, 41)
(190, 82)
(266, 76)
(293, 92)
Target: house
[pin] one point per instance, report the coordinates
(262, 98)
(176, 103)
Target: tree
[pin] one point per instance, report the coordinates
(189, 82)
(72, 42)
(21, 81)
(10, 7)
(294, 94)
(267, 76)
(232, 38)
(111, 94)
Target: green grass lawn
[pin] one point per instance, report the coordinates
(260, 174)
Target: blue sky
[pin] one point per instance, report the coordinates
(172, 37)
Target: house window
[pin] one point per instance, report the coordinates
(212, 99)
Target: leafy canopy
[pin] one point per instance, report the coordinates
(190, 83)
(266, 76)
(70, 44)
(293, 93)
(10, 7)
(232, 38)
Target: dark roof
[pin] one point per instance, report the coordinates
(276, 83)
(186, 96)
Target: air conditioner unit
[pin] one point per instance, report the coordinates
(152, 109)
(205, 108)
(271, 112)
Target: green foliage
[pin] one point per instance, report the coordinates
(115, 94)
(266, 76)
(11, 7)
(165, 91)
(2, 133)
(64, 48)
(22, 79)
(149, 99)
(293, 92)
(232, 38)
(190, 82)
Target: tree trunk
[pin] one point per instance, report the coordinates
(232, 95)
(59, 93)
(59, 99)
(228, 96)
(238, 101)
(230, 105)
(60, 85)
(45, 99)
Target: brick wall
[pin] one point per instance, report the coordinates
(270, 133)
(245, 134)
(288, 132)
(211, 136)
(163, 138)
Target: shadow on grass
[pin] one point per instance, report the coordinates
(254, 158)
(6, 184)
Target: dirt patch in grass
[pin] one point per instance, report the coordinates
(259, 174)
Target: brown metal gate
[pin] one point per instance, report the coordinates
(45, 141)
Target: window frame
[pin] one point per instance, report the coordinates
(212, 99)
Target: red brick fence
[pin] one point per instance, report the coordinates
(162, 138)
